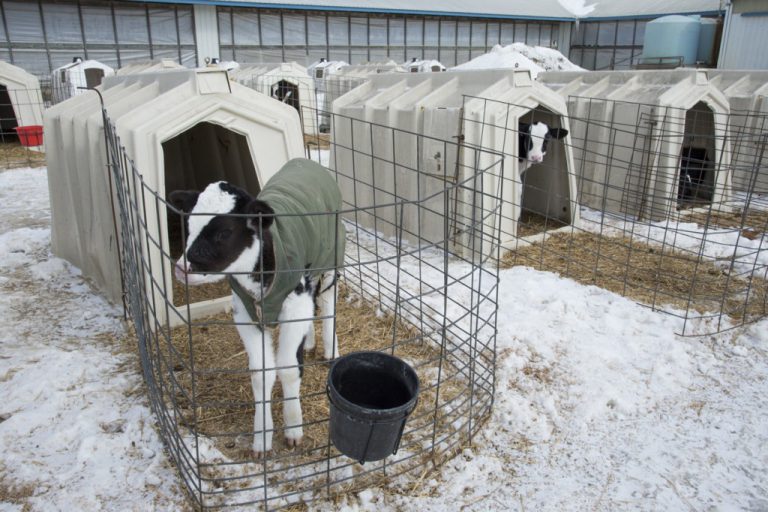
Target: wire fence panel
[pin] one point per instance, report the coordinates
(21, 130)
(671, 202)
(415, 283)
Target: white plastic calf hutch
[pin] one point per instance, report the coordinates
(323, 68)
(149, 67)
(423, 66)
(182, 129)
(483, 109)
(747, 93)
(21, 103)
(637, 134)
(288, 82)
(321, 71)
(73, 78)
(348, 77)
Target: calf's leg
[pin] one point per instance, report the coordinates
(261, 362)
(295, 321)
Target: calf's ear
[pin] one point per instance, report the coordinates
(557, 133)
(523, 127)
(183, 200)
(262, 211)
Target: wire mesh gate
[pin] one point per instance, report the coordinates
(419, 290)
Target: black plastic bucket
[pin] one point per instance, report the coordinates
(371, 396)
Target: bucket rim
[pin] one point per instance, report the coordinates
(29, 128)
(335, 397)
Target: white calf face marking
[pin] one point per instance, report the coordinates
(538, 134)
(217, 242)
(212, 200)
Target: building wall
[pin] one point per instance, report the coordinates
(261, 35)
(207, 33)
(610, 44)
(41, 35)
(745, 36)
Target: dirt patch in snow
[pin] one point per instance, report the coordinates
(17, 494)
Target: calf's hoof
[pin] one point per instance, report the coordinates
(261, 447)
(293, 436)
(293, 443)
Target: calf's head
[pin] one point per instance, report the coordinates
(533, 139)
(218, 240)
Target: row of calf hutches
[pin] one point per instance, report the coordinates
(634, 133)
(449, 107)
(183, 129)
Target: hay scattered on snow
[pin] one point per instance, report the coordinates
(752, 222)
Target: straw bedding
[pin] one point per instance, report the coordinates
(224, 396)
(645, 273)
(752, 223)
(14, 155)
(531, 223)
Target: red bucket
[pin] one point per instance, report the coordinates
(31, 135)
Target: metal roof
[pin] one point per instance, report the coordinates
(651, 8)
(520, 9)
(510, 9)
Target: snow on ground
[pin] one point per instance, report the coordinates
(599, 405)
(521, 56)
(75, 429)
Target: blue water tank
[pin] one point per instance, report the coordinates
(673, 36)
(707, 41)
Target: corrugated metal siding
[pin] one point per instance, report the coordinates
(745, 42)
(207, 33)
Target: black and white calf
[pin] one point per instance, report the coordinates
(281, 263)
(532, 142)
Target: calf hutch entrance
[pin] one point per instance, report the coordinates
(408, 296)
(288, 93)
(203, 154)
(697, 158)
